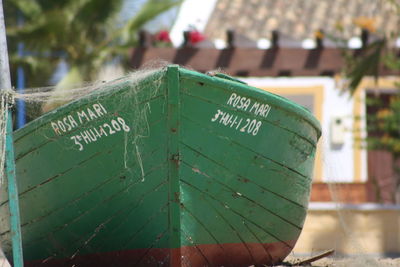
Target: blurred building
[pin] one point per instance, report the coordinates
(294, 49)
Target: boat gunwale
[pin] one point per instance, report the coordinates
(20, 156)
(253, 92)
(256, 93)
(274, 124)
(101, 92)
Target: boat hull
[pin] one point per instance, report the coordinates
(201, 255)
(175, 169)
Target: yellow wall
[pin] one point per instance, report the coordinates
(351, 232)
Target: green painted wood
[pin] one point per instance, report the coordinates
(14, 215)
(298, 139)
(182, 170)
(174, 155)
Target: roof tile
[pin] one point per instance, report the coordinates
(298, 19)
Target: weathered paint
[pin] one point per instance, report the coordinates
(176, 189)
(14, 215)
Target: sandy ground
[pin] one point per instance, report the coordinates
(326, 262)
(4, 263)
(357, 261)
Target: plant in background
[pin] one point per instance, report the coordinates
(162, 39)
(195, 36)
(85, 34)
(383, 119)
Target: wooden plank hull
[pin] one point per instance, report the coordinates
(200, 255)
(176, 169)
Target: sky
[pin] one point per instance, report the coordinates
(164, 21)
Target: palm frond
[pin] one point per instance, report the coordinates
(29, 8)
(367, 63)
(84, 33)
(149, 11)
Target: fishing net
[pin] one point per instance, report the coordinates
(357, 232)
(355, 243)
(126, 91)
(6, 100)
(365, 233)
(39, 101)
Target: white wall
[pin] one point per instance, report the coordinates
(192, 13)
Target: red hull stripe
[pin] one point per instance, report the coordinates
(231, 254)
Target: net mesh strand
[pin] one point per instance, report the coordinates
(41, 100)
(6, 100)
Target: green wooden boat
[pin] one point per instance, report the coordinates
(176, 168)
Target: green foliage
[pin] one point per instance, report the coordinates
(368, 63)
(373, 56)
(384, 125)
(84, 33)
(383, 110)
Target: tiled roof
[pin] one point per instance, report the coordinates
(299, 19)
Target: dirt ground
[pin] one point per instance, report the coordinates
(356, 261)
(326, 262)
